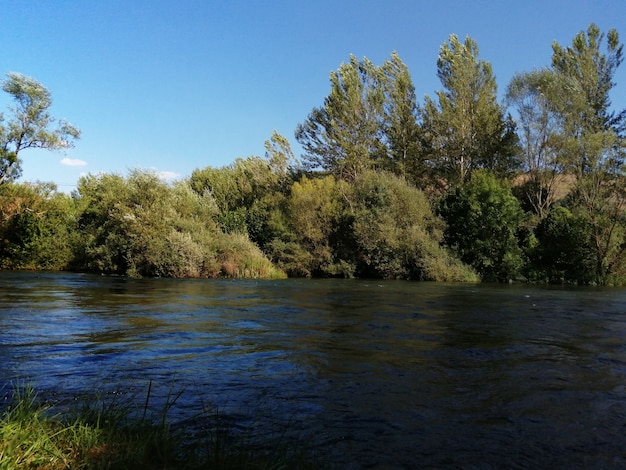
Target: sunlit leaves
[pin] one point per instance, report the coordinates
(465, 128)
(30, 124)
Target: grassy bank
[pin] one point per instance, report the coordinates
(95, 434)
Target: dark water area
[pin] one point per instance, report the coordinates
(374, 374)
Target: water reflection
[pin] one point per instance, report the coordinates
(381, 375)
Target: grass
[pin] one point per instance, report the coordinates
(99, 434)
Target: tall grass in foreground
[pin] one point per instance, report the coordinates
(115, 435)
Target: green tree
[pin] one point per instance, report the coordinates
(234, 188)
(140, 226)
(590, 73)
(369, 120)
(344, 135)
(245, 188)
(30, 124)
(536, 96)
(482, 220)
(466, 128)
(281, 159)
(400, 128)
(594, 142)
(315, 210)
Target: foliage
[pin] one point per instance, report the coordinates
(564, 250)
(237, 189)
(395, 234)
(399, 121)
(540, 123)
(37, 227)
(314, 211)
(378, 227)
(358, 205)
(368, 120)
(595, 144)
(142, 227)
(344, 135)
(482, 220)
(30, 124)
(466, 128)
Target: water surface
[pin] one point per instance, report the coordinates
(376, 374)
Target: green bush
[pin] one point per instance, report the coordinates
(564, 252)
(395, 234)
(141, 226)
(37, 227)
(482, 222)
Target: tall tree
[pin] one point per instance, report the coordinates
(344, 134)
(595, 144)
(466, 128)
(591, 74)
(30, 125)
(369, 119)
(400, 110)
(536, 97)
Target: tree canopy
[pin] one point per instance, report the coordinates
(455, 188)
(29, 125)
(466, 128)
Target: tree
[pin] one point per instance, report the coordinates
(280, 156)
(344, 135)
(141, 226)
(466, 129)
(244, 190)
(594, 142)
(369, 120)
(394, 233)
(400, 127)
(536, 95)
(30, 125)
(590, 73)
(482, 220)
(37, 226)
(316, 208)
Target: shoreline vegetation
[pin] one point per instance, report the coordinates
(459, 188)
(95, 433)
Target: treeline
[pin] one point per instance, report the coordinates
(459, 187)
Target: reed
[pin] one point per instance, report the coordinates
(115, 434)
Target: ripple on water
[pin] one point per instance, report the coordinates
(380, 375)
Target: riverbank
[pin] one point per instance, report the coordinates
(98, 434)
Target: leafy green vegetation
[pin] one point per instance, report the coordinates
(458, 188)
(100, 434)
(482, 219)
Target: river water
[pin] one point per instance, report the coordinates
(373, 374)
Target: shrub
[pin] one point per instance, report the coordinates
(482, 221)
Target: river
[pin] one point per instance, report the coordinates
(375, 374)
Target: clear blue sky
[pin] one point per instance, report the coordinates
(175, 85)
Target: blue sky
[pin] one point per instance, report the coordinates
(175, 85)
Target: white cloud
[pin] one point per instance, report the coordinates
(73, 162)
(167, 175)
(164, 174)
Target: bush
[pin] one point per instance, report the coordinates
(396, 235)
(564, 252)
(482, 221)
(37, 227)
(140, 226)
